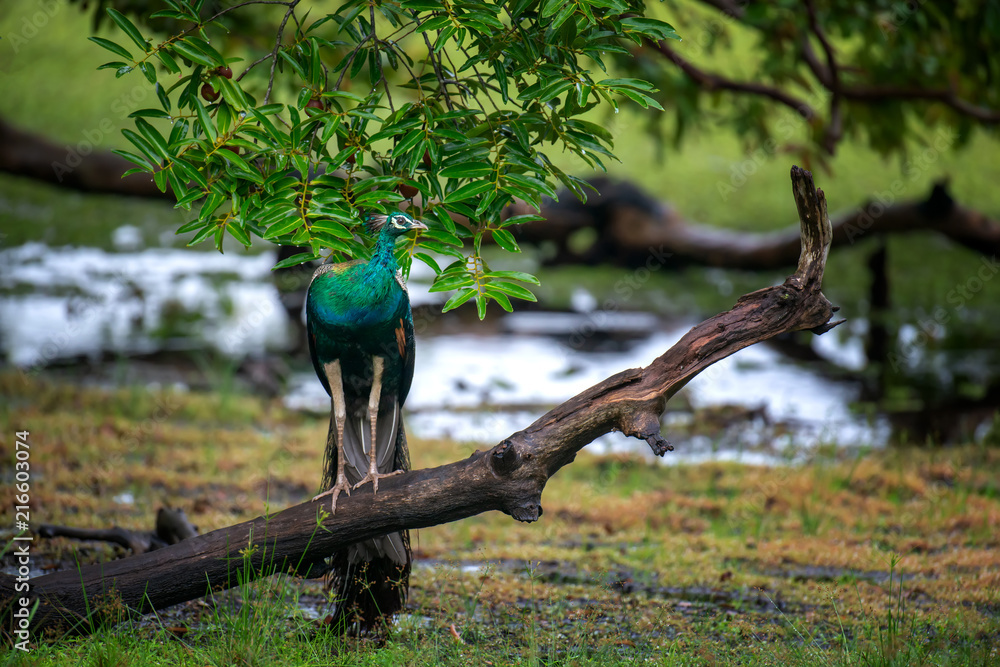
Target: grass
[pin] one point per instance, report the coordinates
(877, 558)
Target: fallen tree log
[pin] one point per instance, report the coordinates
(509, 477)
(629, 223)
(80, 167)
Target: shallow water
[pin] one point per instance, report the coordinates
(58, 303)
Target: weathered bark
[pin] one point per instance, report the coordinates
(629, 223)
(510, 477)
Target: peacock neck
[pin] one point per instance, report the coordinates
(384, 256)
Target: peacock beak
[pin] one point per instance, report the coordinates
(416, 224)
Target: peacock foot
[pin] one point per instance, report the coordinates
(374, 477)
(335, 490)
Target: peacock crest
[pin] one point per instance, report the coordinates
(376, 222)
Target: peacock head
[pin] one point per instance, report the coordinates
(394, 224)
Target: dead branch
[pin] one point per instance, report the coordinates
(172, 526)
(509, 477)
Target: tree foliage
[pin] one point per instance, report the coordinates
(882, 72)
(450, 105)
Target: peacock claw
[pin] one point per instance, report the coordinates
(374, 477)
(335, 490)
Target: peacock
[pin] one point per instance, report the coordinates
(360, 332)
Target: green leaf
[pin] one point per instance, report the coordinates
(149, 113)
(112, 47)
(331, 227)
(550, 7)
(468, 191)
(161, 95)
(428, 260)
(205, 121)
(128, 28)
(282, 227)
(466, 170)
(116, 65)
(160, 179)
(143, 145)
(458, 299)
(645, 101)
(135, 159)
(205, 232)
(515, 275)
(499, 297)
(650, 27)
(149, 71)
(295, 260)
(153, 137)
(514, 290)
(231, 92)
(191, 53)
(296, 65)
(208, 50)
(434, 23)
(505, 240)
(237, 232)
(448, 282)
(168, 61)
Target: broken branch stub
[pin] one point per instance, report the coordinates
(510, 477)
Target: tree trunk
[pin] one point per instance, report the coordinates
(509, 477)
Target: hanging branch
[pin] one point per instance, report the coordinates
(509, 477)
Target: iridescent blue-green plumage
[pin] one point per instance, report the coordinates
(360, 331)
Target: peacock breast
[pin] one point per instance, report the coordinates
(353, 309)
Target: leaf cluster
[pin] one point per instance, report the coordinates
(904, 72)
(446, 106)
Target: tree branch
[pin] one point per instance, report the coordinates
(835, 129)
(510, 477)
(712, 81)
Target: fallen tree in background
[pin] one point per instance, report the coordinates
(628, 221)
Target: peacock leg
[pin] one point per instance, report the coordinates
(374, 399)
(333, 376)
